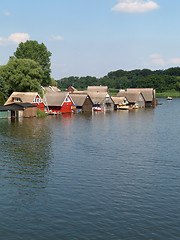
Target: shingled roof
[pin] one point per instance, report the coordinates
(71, 89)
(16, 106)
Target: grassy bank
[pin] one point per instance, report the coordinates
(41, 114)
(113, 92)
(173, 94)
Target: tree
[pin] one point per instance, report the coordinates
(24, 75)
(53, 82)
(4, 89)
(174, 71)
(39, 53)
(2, 101)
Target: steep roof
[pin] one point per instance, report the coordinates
(70, 88)
(118, 100)
(24, 96)
(80, 92)
(148, 93)
(99, 97)
(131, 97)
(55, 98)
(97, 89)
(51, 89)
(78, 99)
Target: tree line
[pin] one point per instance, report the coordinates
(30, 68)
(26, 71)
(161, 80)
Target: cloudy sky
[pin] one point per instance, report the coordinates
(94, 37)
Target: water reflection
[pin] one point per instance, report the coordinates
(83, 176)
(25, 149)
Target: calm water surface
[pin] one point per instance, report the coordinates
(103, 176)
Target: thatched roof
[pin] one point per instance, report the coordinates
(55, 99)
(80, 92)
(51, 89)
(131, 97)
(118, 100)
(23, 96)
(78, 99)
(99, 97)
(97, 89)
(148, 93)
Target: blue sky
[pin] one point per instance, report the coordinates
(94, 37)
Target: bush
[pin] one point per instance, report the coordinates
(41, 114)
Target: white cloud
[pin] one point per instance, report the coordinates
(135, 6)
(174, 61)
(15, 38)
(155, 56)
(57, 38)
(157, 60)
(18, 37)
(2, 41)
(7, 14)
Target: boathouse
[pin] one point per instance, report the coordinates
(50, 89)
(97, 89)
(18, 110)
(102, 100)
(134, 98)
(119, 102)
(149, 95)
(58, 102)
(26, 97)
(82, 102)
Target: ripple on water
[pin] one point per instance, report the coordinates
(107, 176)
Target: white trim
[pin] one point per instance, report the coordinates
(40, 99)
(68, 95)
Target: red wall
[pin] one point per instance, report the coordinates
(40, 106)
(66, 107)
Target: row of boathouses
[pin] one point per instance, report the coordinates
(95, 98)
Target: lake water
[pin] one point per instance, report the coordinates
(92, 177)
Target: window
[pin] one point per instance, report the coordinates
(16, 99)
(37, 100)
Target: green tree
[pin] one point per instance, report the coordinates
(24, 75)
(39, 53)
(2, 101)
(177, 86)
(4, 88)
(53, 82)
(174, 71)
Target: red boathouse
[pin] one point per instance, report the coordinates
(58, 102)
(26, 97)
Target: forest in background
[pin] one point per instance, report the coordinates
(161, 80)
(30, 68)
